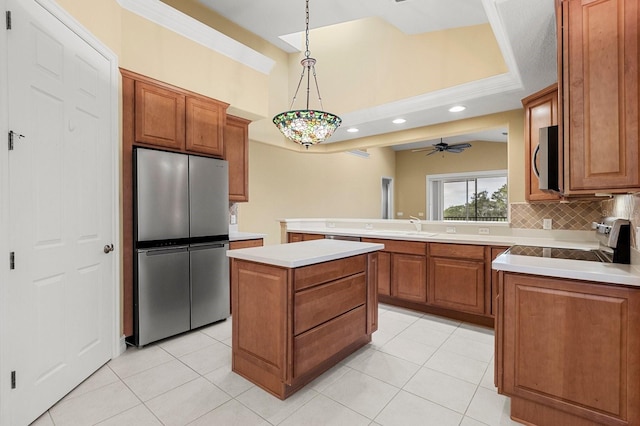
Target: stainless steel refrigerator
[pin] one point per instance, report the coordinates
(181, 236)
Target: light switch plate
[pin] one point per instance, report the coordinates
(483, 231)
(451, 229)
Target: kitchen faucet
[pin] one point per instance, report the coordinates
(416, 222)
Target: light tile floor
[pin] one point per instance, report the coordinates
(419, 370)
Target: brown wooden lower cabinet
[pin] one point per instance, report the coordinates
(402, 269)
(446, 279)
(456, 277)
(568, 351)
(291, 325)
(240, 244)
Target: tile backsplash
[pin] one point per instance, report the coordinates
(575, 216)
(578, 215)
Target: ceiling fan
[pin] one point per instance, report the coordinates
(444, 147)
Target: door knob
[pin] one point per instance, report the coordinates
(108, 248)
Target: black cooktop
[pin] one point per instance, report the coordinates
(556, 253)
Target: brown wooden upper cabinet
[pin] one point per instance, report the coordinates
(236, 142)
(159, 116)
(599, 53)
(205, 120)
(169, 117)
(541, 110)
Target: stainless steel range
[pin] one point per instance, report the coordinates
(614, 237)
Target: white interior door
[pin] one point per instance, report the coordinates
(61, 204)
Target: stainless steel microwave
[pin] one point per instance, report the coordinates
(546, 160)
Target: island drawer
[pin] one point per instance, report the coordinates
(311, 275)
(319, 344)
(464, 251)
(319, 304)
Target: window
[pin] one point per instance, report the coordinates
(477, 196)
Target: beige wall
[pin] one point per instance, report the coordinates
(370, 62)
(378, 64)
(413, 167)
(287, 184)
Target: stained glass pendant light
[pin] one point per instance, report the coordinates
(307, 126)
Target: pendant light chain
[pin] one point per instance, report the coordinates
(307, 52)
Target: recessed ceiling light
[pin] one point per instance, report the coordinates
(399, 121)
(352, 130)
(457, 108)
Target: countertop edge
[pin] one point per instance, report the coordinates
(604, 273)
(240, 236)
(266, 254)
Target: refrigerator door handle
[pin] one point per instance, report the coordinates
(207, 246)
(161, 251)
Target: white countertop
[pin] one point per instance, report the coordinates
(610, 273)
(239, 236)
(294, 255)
(500, 235)
(439, 237)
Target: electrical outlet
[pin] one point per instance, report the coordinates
(547, 223)
(400, 214)
(483, 231)
(451, 229)
(420, 214)
(368, 226)
(331, 225)
(234, 220)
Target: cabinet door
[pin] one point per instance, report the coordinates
(236, 147)
(572, 345)
(384, 273)
(159, 116)
(457, 284)
(409, 277)
(205, 120)
(541, 110)
(600, 90)
(261, 315)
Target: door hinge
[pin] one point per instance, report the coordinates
(13, 380)
(12, 260)
(12, 136)
(8, 18)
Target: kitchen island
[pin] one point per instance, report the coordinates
(298, 309)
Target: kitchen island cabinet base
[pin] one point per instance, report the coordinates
(292, 324)
(272, 383)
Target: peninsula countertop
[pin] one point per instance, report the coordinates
(607, 273)
(295, 255)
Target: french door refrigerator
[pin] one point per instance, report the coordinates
(181, 237)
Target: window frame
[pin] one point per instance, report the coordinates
(437, 204)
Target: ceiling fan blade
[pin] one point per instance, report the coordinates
(460, 145)
(421, 149)
(455, 150)
(434, 151)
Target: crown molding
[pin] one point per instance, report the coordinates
(180, 23)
